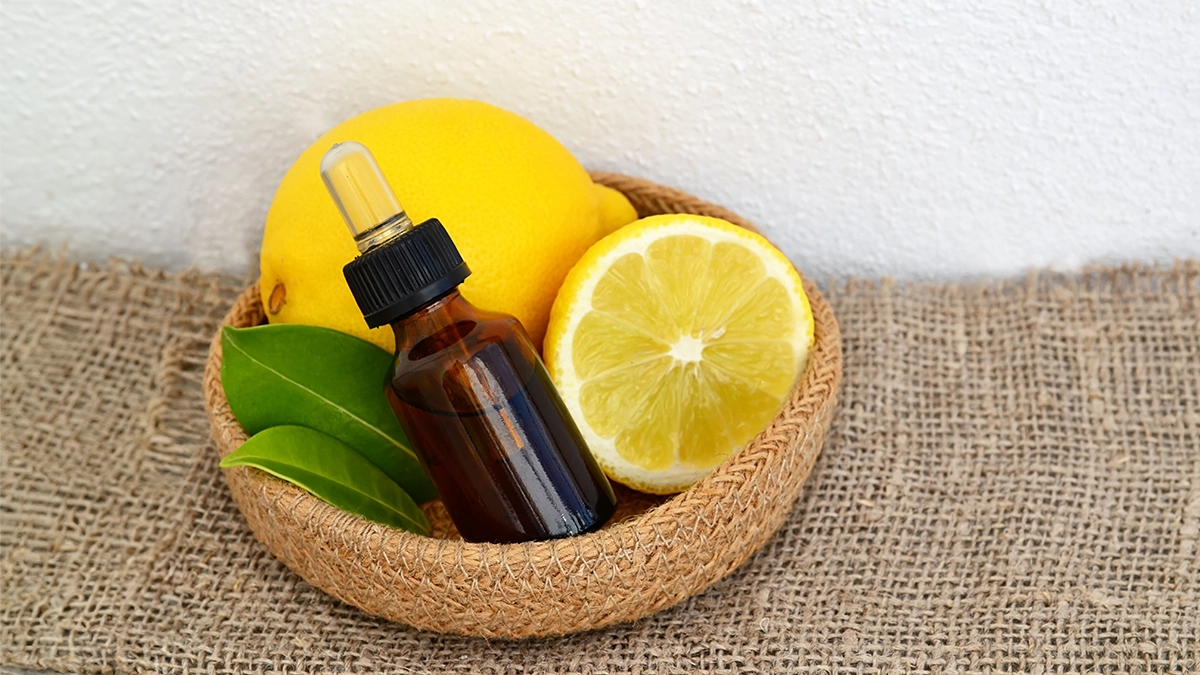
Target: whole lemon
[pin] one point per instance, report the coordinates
(517, 204)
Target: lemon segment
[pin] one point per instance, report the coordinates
(673, 342)
(607, 344)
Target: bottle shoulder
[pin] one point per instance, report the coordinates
(452, 331)
(465, 341)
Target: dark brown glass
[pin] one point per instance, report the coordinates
(497, 441)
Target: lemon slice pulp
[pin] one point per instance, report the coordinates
(673, 342)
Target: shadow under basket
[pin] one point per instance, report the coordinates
(656, 552)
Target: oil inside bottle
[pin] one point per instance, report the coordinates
(508, 461)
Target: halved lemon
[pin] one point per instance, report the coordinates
(673, 342)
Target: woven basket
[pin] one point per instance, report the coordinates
(654, 553)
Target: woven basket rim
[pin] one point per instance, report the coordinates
(806, 411)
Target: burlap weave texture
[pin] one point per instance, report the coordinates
(1012, 484)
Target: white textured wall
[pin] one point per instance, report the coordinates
(916, 138)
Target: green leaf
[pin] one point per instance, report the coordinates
(331, 471)
(290, 374)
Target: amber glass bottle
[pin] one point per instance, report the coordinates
(467, 385)
(497, 441)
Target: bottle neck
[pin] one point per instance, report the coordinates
(432, 318)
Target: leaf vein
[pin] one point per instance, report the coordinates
(327, 401)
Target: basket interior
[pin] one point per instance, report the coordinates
(630, 503)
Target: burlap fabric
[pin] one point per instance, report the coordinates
(653, 553)
(1012, 484)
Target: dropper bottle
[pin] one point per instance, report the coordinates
(467, 385)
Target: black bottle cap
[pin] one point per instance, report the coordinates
(397, 278)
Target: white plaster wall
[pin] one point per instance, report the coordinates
(919, 138)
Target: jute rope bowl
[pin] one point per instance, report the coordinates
(655, 552)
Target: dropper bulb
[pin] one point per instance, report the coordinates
(363, 196)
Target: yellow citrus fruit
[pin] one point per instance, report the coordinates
(615, 210)
(673, 342)
(519, 207)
